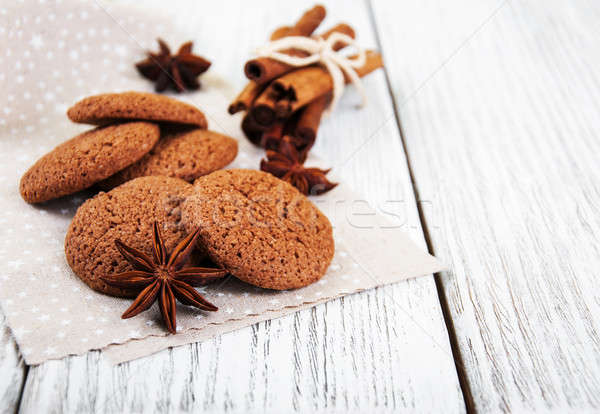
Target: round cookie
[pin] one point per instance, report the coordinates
(186, 155)
(126, 213)
(259, 228)
(110, 107)
(86, 159)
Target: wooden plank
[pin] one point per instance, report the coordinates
(12, 368)
(498, 102)
(385, 349)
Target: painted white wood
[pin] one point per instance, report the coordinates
(499, 106)
(12, 368)
(383, 350)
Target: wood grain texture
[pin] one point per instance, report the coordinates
(12, 368)
(382, 350)
(499, 107)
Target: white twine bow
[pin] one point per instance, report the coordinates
(321, 50)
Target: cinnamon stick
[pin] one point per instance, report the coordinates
(312, 17)
(280, 32)
(263, 109)
(301, 87)
(343, 28)
(244, 100)
(252, 130)
(309, 120)
(262, 70)
(292, 91)
(309, 22)
(273, 135)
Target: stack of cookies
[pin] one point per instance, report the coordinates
(137, 134)
(257, 227)
(145, 152)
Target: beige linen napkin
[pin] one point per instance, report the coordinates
(49, 60)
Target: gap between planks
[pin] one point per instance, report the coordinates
(456, 354)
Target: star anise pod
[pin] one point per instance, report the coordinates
(286, 164)
(179, 71)
(164, 276)
(273, 143)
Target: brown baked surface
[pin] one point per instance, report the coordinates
(86, 159)
(261, 229)
(110, 107)
(186, 155)
(126, 213)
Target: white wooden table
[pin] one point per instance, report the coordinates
(484, 125)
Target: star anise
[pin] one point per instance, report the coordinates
(179, 71)
(164, 276)
(273, 143)
(286, 164)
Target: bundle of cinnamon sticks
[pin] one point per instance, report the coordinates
(286, 101)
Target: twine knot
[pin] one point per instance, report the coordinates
(321, 50)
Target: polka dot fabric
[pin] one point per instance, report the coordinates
(58, 52)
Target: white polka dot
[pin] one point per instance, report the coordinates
(39, 106)
(73, 54)
(37, 41)
(121, 50)
(50, 54)
(27, 95)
